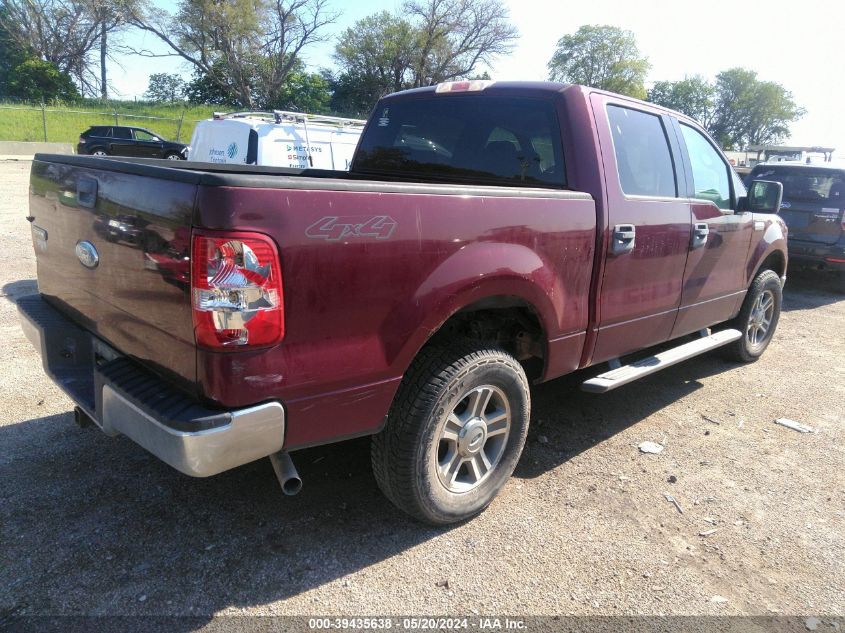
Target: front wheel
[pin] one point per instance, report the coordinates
(173, 156)
(454, 433)
(757, 319)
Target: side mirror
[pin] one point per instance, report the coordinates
(764, 196)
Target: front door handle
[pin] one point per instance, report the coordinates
(699, 234)
(624, 238)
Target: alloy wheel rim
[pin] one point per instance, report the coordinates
(472, 437)
(760, 319)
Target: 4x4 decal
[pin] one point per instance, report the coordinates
(334, 228)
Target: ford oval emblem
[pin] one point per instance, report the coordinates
(87, 254)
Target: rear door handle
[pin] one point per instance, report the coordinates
(699, 234)
(624, 238)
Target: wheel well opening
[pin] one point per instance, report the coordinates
(776, 262)
(507, 322)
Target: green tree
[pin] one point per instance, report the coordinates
(750, 111)
(304, 92)
(246, 48)
(165, 87)
(202, 89)
(376, 57)
(455, 37)
(429, 42)
(693, 96)
(352, 95)
(67, 33)
(37, 80)
(604, 57)
(11, 55)
(379, 47)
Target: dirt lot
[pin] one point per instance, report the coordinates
(93, 525)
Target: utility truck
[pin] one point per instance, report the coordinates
(281, 139)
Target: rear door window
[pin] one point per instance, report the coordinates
(122, 132)
(143, 135)
(710, 174)
(642, 153)
(469, 138)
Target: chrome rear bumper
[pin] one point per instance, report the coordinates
(124, 398)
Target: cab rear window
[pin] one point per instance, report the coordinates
(473, 139)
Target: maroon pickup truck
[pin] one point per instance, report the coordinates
(488, 236)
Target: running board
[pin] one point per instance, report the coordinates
(647, 366)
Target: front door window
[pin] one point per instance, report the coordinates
(709, 172)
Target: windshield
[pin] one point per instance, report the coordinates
(477, 139)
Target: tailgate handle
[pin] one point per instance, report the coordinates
(86, 192)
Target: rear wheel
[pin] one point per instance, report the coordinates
(454, 433)
(99, 152)
(173, 156)
(757, 319)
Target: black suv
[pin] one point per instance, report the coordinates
(813, 206)
(119, 140)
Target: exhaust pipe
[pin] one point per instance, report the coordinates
(286, 473)
(82, 419)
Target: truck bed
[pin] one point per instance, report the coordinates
(370, 269)
(266, 177)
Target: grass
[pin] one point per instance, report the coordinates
(24, 122)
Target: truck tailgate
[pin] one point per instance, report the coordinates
(113, 254)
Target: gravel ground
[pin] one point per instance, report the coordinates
(94, 525)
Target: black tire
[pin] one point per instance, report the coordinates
(99, 151)
(748, 349)
(173, 156)
(841, 282)
(406, 453)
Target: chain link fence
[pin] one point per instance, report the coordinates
(28, 122)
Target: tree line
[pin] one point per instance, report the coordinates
(249, 54)
(737, 108)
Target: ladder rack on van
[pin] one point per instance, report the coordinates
(281, 116)
(265, 116)
(300, 117)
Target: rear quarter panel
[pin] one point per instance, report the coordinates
(370, 276)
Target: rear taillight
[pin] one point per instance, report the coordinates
(81, 140)
(236, 288)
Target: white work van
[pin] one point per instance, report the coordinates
(281, 139)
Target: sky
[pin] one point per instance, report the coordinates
(800, 45)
